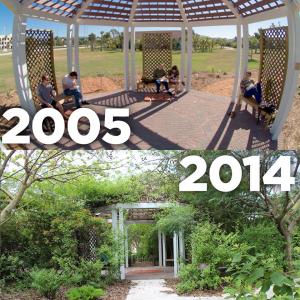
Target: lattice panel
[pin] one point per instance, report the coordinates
(274, 59)
(39, 58)
(87, 243)
(157, 49)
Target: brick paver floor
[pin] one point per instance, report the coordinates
(195, 120)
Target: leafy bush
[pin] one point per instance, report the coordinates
(46, 282)
(210, 245)
(192, 277)
(264, 237)
(256, 275)
(86, 272)
(11, 269)
(85, 292)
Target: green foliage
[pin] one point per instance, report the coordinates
(192, 277)
(255, 275)
(86, 292)
(211, 245)
(175, 218)
(11, 269)
(46, 281)
(264, 238)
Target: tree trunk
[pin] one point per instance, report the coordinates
(288, 245)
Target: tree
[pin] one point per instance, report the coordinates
(92, 40)
(19, 170)
(253, 45)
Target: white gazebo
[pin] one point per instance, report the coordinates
(121, 218)
(184, 14)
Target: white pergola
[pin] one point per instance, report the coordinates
(120, 228)
(185, 14)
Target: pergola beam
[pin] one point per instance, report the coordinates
(27, 3)
(233, 9)
(133, 10)
(82, 9)
(182, 11)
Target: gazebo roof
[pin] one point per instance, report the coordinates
(138, 11)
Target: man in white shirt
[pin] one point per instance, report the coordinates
(71, 88)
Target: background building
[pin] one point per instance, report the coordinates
(5, 42)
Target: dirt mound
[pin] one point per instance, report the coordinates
(220, 88)
(99, 84)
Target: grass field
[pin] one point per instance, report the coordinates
(110, 63)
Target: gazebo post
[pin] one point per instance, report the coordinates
(19, 64)
(181, 245)
(189, 57)
(293, 69)
(114, 221)
(235, 91)
(245, 53)
(121, 231)
(70, 37)
(175, 253)
(164, 250)
(76, 53)
(132, 50)
(160, 255)
(126, 60)
(183, 53)
(126, 247)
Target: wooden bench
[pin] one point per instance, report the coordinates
(140, 86)
(269, 117)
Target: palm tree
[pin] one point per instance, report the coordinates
(92, 40)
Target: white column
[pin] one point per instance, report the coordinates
(235, 91)
(126, 58)
(20, 66)
(292, 70)
(175, 253)
(181, 246)
(122, 252)
(189, 58)
(70, 37)
(160, 255)
(76, 53)
(126, 247)
(132, 50)
(164, 250)
(183, 53)
(245, 54)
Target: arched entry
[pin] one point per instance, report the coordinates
(125, 214)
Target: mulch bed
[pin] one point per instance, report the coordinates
(117, 291)
(171, 283)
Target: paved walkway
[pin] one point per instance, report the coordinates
(195, 120)
(156, 290)
(150, 272)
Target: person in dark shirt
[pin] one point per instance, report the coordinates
(249, 88)
(46, 95)
(173, 76)
(160, 77)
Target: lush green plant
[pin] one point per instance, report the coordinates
(264, 238)
(194, 277)
(11, 269)
(86, 292)
(211, 245)
(256, 275)
(46, 282)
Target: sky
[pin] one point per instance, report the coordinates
(6, 23)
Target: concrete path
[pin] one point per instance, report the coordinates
(156, 290)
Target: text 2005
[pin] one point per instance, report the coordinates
(14, 136)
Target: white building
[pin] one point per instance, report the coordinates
(6, 42)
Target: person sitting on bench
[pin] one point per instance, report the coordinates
(159, 76)
(249, 88)
(46, 95)
(71, 88)
(173, 76)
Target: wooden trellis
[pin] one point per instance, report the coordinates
(87, 244)
(39, 58)
(273, 66)
(157, 49)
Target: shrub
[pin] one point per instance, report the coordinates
(192, 277)
(210, 245)
(85, 292)
(11, 269)
(46, 282)
(254, 276)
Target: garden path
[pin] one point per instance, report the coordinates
(157, 290)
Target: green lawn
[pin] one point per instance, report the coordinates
(111, 63)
